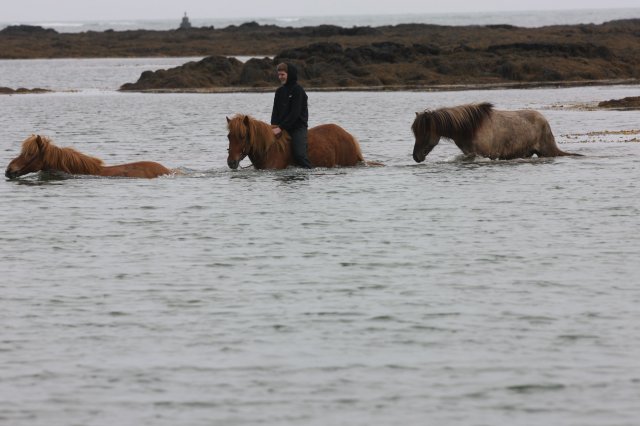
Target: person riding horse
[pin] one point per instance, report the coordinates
(290, 112)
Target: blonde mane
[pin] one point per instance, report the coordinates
(260, 136)
(67, 160)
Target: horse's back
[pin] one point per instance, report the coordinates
(139, 169)
(517, 134)
(546, 145)
(330, 145)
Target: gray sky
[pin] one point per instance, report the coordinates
(76, 10)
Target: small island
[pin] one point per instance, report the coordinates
(397, 57)
(628, 103)
(21, 90)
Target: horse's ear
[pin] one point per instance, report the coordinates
(246, 120)
(39, 142)
(417, 114)
(228, 121)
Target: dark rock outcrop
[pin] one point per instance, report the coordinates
(631, 102)
(328, 56)
(213, 72)
(257, 73)
(21, 90)
(577, 50)
(22, 30)
(390, 64)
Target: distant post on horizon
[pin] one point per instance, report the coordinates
(185, 24)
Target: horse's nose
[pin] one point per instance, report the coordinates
(233, 164)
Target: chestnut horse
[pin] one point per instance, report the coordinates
(38, 153)
(329, 145)
(478, 129)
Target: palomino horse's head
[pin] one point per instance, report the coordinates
(457, 123)
(425, 134)
(238, 140)
(31, 158)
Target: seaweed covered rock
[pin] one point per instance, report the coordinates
(630, 102)
(21, 90)
(210, 72)
(406, 56)
(257, 73)
(22, 30)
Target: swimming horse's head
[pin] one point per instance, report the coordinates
(238, 140)
(425, 134)
(31, 158)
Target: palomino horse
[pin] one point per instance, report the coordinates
(38, 153)
(478, 129)
(329, 145)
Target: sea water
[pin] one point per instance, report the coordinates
(456, 291)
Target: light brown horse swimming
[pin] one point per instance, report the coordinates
(38, 153)
(329, 145)
(478, 129)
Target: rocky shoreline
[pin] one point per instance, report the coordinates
(628, 103)
(405, 88)
(400, 57)
(21, 90)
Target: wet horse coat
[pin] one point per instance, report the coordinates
(39, 153)
(478, 129)
(329, 145)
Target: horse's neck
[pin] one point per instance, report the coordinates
(464, 129)
(465, 143)
(272, 159)
(276, 155)
(257, 161)
(71, 161)
(461, 142)
(53, 158)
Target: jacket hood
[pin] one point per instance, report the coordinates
(292, 74)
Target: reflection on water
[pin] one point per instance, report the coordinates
(41, 178)
(455, 289)
(291, 178)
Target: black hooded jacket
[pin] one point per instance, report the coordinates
(290, 103)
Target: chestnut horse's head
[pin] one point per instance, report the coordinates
(425, 135)
(31, 158)
(238, 140)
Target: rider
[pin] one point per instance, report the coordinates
(290, 112)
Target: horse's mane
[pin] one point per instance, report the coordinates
(460, 122)
(261, 137)
(67, 160)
